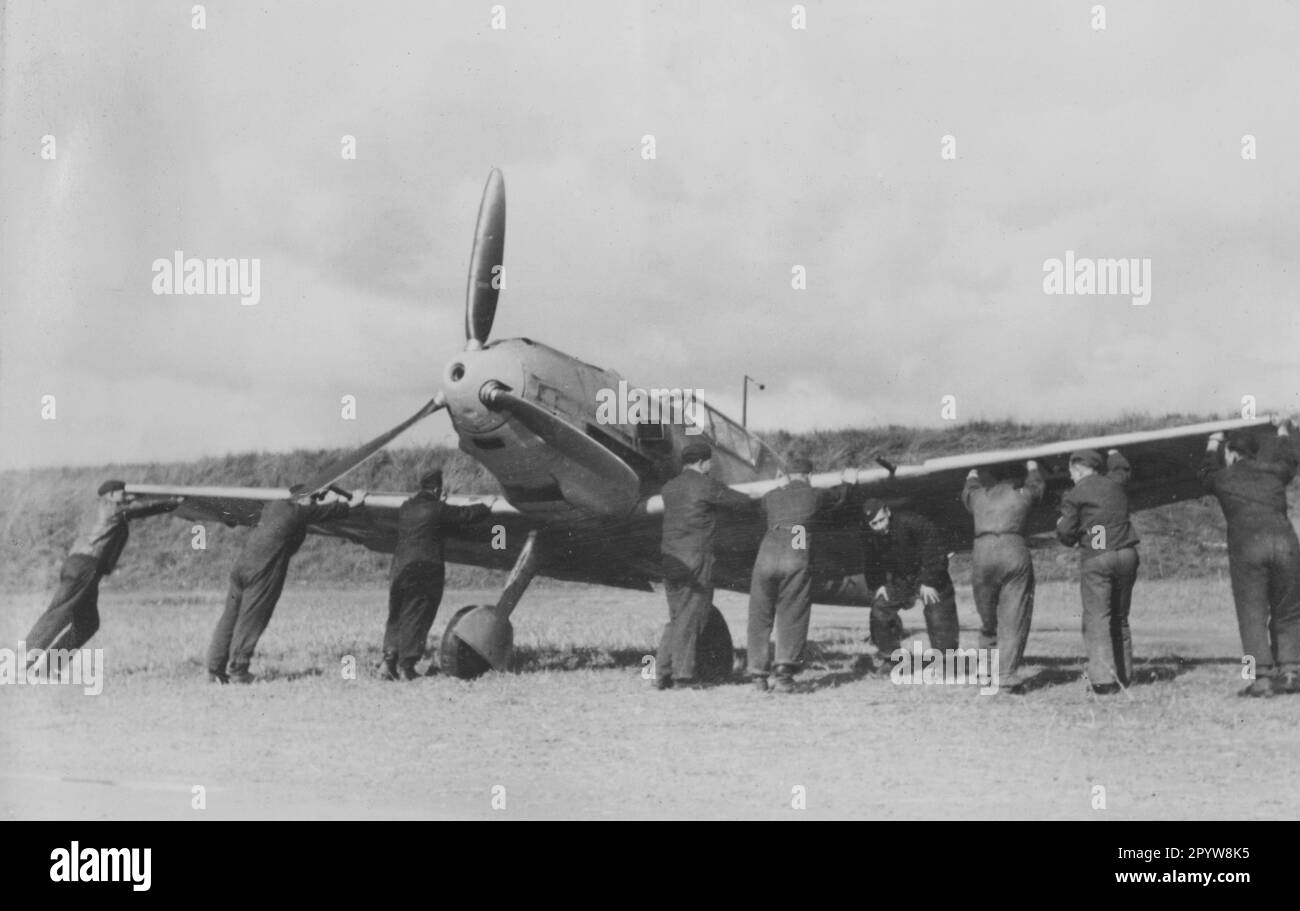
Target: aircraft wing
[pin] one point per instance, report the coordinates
(624, 551)
(374, 524)
(584, 552)
(1163, 462)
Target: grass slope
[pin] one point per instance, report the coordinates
(41, 509)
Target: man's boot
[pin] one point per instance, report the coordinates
(239, 674)
(388, 669)
(1259, 688)
(884, 664)
(783, 683)
(407, 669)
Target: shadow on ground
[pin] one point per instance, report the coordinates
(824, 667)
(530, 660)
(1050, 672)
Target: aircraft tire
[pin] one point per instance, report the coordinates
(456, 657)
(715, 656)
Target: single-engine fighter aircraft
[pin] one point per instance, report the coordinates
(580, 494)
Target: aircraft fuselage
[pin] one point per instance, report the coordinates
(533, 475)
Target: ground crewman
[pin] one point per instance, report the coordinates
(1263, 554)
(781, 589)
(905, 557)
(73, 615)
(418, 573)
(258, 578)
(692, 501)
(1095, 517)
(1002, 572)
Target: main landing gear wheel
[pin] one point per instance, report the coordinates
(477, 640)
(714, 654)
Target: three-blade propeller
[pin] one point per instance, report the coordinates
(485, 277)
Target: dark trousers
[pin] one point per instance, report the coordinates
(690, 596)
(73, 615)
(940, 617)
(413, 601)
(1265, 570)
(250, 602)
(780, 594)
(1106, 583)
(1002, 575)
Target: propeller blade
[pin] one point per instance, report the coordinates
(488, 255)
(348, 461)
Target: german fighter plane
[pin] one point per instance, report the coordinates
(580, 495)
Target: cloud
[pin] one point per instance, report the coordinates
(775, 148)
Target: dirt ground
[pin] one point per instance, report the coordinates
(576, 732)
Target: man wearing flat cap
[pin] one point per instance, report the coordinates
(73, 615)
(1095, 517)
(258, 578)
(1002, 571)
(781, 589)
(905, 557)
(692, 501)
(1263, 553)
(418, 573)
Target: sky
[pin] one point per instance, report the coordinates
(774, 147)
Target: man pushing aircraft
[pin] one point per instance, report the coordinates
(73, 615)
(1002, 571)
(780, 592)
(692, 501)
(1095, 517)
(418, 573)
(258, 578)
(1263, 553)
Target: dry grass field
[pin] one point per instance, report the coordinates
(576, 732)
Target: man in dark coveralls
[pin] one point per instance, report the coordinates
(418, 573)
(73, 615)
(1002, 571)
(692, 501)
(258, 578)
(1095, 516)
(905, 556)
(781, 589)
(1263, 554)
